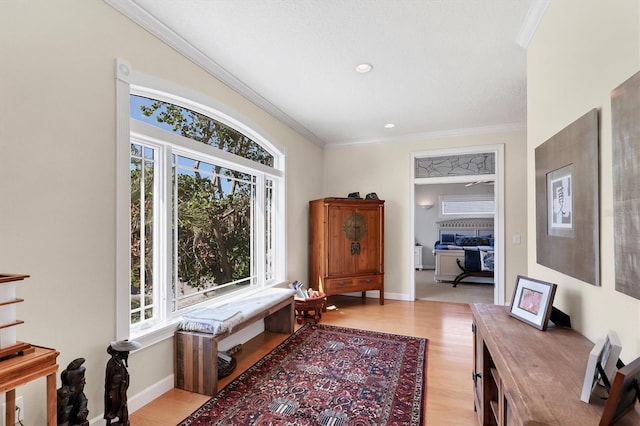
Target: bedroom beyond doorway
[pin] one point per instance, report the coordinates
(477, 171)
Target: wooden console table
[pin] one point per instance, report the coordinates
(524, 376)
(20, 369)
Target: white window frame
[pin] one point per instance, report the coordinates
(480, 199)
(127, 130)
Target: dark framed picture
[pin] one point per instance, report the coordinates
(625, 391)
(532, 301)
(567, 201)
(560, 202)
(602, 360)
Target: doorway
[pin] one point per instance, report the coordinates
(426, 207)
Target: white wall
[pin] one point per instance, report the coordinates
(57, 178)
(386, 169)
(581, 51)
(425, 228)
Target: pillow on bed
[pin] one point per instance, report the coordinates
(472, 241)
(465, 235)
(448, 238)
(486, 260)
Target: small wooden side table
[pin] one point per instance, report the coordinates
(304, 307)
(18, 370)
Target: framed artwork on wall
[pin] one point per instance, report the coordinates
(567, 200)
(560, 202)
(625, 120)
(532, 301)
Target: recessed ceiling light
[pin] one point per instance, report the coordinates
(389, 126)
(363, 68)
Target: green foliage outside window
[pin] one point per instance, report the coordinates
(213, 210)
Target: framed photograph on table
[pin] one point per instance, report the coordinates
(601, 365)
(625, 391)
(610, 356)
(532, 301)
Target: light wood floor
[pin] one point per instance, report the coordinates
(447, 326)
(427, 288)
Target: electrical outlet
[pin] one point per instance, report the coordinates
(19, 411)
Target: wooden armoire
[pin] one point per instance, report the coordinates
(346, 246)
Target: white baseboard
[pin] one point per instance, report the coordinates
(140, 399)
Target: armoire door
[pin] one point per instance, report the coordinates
(353, 240)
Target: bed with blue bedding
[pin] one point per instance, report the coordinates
(465, 251)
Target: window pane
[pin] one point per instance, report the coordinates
(456, 165)
(202, 219)
(213, 231)
(468, 207)
(199, 127)
(142, 174)
(268, 230)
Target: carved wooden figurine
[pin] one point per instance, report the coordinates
(117, 382)
(72, 403)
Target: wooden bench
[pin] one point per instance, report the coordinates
(196, 353)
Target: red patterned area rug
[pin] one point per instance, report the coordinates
(327, 375)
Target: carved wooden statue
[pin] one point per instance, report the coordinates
(117, 382)
(72, 403)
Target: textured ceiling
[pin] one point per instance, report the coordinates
(439, 66)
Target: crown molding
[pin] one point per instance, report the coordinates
(426, 136)
(147, 21)
(531, 22)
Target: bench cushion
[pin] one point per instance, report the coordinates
(218, 319)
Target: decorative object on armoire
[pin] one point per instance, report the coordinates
(116, 382)
(371, 196)
(532, 301)
(72, 402)
(567, 200)
(625, 121)
(346, 246)
(354, 195)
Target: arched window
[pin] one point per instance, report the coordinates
(204, 195)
